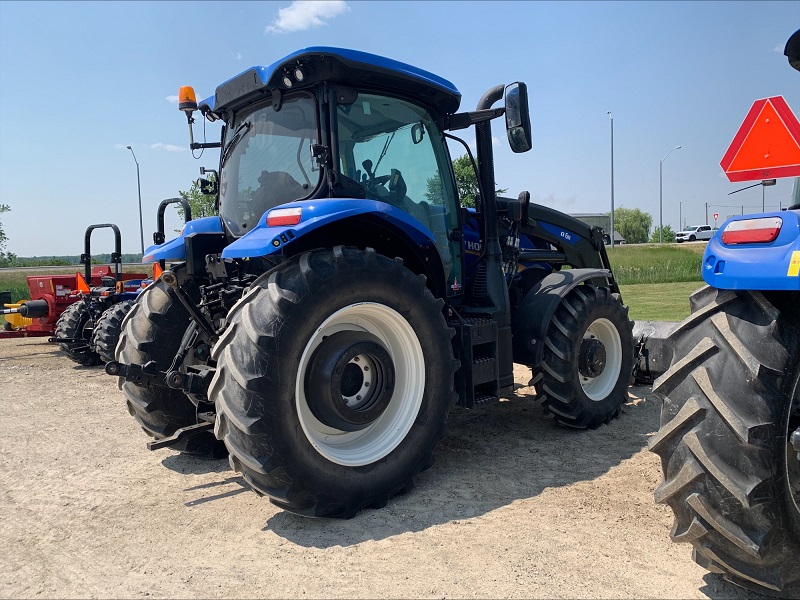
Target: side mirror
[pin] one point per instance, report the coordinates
(518, 120)
(209, 187)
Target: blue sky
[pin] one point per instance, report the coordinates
(80, 81)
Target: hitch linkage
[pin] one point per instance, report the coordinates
(207, 423)
(147, 375)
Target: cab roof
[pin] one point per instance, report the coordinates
(338, 66)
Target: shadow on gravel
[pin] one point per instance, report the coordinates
(491, 457)
(191, 465)
(718, 588)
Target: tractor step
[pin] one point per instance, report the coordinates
(477, 380)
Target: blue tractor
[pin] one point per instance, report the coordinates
(729, 440)
(88, 330)
(320, 329)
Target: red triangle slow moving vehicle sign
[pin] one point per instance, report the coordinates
(767, 144)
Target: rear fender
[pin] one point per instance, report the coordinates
(764, 267)
(264, 240)
(175, 249)
(532, 316)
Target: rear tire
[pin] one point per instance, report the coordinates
(108, 329)
(76, 323)
(730, 403)
(275, 421)
(153, 330)
(587, 363)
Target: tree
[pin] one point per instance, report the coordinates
(667, 234)
(202, 205)
(5, 257)
(467, 181)
(632, 224)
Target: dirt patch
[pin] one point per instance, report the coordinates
(514, 507)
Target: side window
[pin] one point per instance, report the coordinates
(395, 150)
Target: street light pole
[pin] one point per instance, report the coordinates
(661, 196)
(139, 189)
(612, 179)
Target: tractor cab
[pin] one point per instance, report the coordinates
(326, 129)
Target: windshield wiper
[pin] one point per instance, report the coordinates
(237, 136)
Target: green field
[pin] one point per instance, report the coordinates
(659, 301)
(656, 263)
(656, 280)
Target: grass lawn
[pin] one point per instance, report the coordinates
(659, 301)
(656, 263)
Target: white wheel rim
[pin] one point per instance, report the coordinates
(364, 447)
(598, 388)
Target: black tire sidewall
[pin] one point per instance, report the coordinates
(292, 450)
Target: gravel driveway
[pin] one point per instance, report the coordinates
(514, 507)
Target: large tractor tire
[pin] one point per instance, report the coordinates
(153, 330)
(587, 362)
(731, 403)
(334, 382)
(108, 328)
(76, 323)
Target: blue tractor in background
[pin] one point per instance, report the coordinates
(729, 440)
(320, 329)
(88, 330)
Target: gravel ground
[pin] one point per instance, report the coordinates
(514, 507)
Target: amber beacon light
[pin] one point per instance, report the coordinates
(187, 101)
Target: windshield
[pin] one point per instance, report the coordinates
(395, 150)
(267, 161)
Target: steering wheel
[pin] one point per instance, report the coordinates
(396, 189)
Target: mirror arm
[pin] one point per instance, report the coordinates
(198, 146)
(467, 119)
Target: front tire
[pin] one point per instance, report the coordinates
(587, 361)
(731, 401)
(153, 330)
(76, 323)
(295, 404)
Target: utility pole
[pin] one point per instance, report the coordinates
(661, 196)
(612, 179)
(139, 188)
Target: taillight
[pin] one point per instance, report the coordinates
(284, 216)
(752, 231)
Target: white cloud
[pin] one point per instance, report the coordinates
(172, 99)
(237, 55)
(167, 147)
(120, 147)
(306, 14)
(778, 49)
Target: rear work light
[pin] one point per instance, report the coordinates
(284, 216)
(752, 231)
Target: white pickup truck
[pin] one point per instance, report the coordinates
(695, 232)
